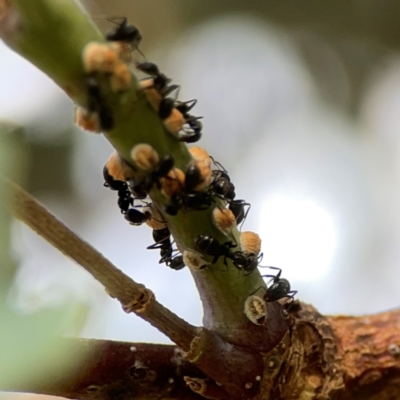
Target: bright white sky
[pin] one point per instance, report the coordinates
(300, 236)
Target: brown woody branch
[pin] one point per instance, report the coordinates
(369, 350)
(108, 369)
(343, 358)
(339, 358)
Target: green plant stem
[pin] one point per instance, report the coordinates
(52, 35)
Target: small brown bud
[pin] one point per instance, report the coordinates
(99, 57)
(87, 121)
(250, 243)
(223, 219)
(173, 183)
(120, 78)
(174, 122)
(255, 309)
(194, 260)
(145, 157)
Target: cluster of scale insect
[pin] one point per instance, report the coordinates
(192, 190)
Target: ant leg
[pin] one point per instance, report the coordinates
(139, 51)
(268, 276)
(178, 89)
(191, 118)
(265, 266)
(190, 104)
(217, 269)
(154, 246)
(245, 214)
(219, 165)
(114, 20)
(291, 295)
(189, 137)
(168, 90)
(287, 306)
(215, 259)
(278, 269)
(261, 287)
(158, 244)
(226, 264)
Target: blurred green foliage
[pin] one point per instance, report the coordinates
(30, 345)
(11, 165)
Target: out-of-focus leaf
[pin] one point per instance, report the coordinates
(30, 345)
(11, 165)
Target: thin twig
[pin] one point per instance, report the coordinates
(133, 296)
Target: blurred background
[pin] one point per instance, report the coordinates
(300, 103)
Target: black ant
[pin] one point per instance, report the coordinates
(96, 104)
(246, 262)
(125, 199)
(279, 289)
(125, 203)
(163, 242)
(141, 186)
(194, 124)
(136, 217)
(238, 209)
(124, 33)
(194, 135)
(162, 238)
(198, 201)
(167, 105)
(110, 182)
(189, 198)
(160, 81)
(212, 247)
(185, 106)
(175, 262)
(138, 188)
(192, 201)
(223, 186)
(192, 177)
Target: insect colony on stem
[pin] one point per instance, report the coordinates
(204, 184)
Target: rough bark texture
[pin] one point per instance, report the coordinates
(341, 357)
(369, 350)
(320, 358)
(118, 370)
